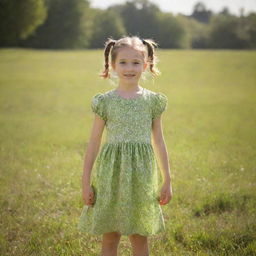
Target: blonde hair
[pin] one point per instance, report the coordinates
(145, 46)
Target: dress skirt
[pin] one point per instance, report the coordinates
(126, 184)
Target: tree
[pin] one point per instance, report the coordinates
(250, 29)
(171, 32)
(107, 23)
(65, 26)
(225, 11)
(196, 32)
(19, 19)
(140, 17)
(226, 31)
(200, 13)
(145, 19)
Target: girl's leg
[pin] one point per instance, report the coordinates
(139, 245)
(110, 243)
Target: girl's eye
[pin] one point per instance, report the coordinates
(123, 62)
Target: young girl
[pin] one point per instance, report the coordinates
(123, 195)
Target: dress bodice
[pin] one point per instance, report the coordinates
(129, 119)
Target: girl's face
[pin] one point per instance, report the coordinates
(129, 65)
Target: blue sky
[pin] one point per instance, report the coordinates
(186, 6)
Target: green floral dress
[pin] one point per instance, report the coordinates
(126, 176)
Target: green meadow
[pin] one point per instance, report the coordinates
(210, 133)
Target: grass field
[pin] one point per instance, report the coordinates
(209, 129)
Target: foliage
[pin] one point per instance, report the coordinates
(227, 31)
(250, 27)
(63, 27)
(140, 18)
(196, 33)
(65, 24)
(19, 19)
(106, 24)
(171, 33)
(200, 13)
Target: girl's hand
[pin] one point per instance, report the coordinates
(88, 195)
(166, 193)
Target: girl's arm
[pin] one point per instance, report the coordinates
(92, 149)
(161, 148)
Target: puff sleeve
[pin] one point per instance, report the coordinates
(98, 106)
(159, 104)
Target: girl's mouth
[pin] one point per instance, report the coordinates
(129, 75)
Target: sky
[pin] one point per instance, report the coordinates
(186, 6)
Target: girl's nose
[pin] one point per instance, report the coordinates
(129, 67)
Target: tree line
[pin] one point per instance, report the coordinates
(65, 24)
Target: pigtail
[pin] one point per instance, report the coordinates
(151, 45)
(110, 43)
